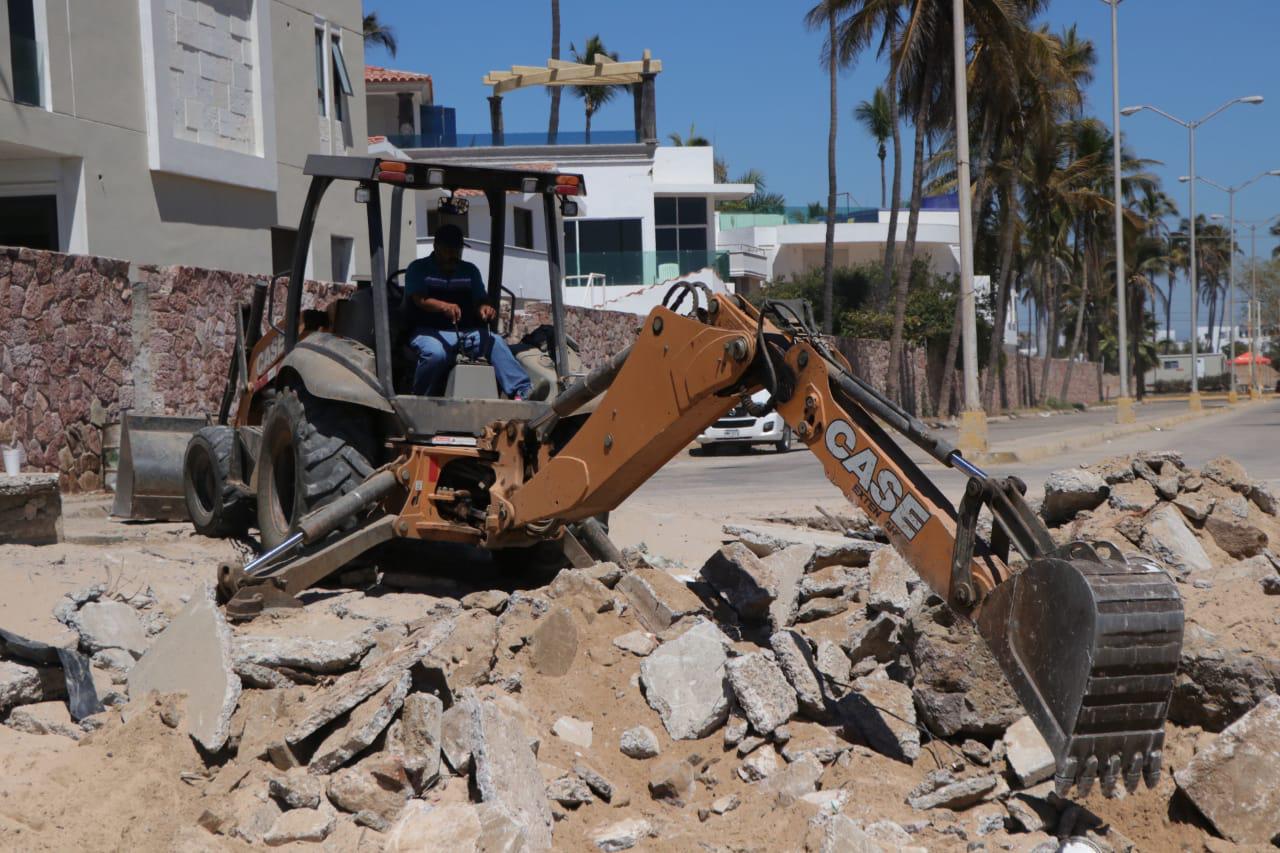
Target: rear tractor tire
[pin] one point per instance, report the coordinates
(217, 508)
(313, 452)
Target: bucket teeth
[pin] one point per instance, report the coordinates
(1090, 646)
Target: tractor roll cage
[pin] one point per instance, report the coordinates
(370, 173)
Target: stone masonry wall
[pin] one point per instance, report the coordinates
(83, 339)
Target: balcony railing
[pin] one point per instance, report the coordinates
(796, 216)
(510, 140)
(639, 268)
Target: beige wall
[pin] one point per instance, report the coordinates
(93, 140)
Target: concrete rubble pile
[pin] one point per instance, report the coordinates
(789, 693)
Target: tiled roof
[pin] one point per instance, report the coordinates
(378, 74)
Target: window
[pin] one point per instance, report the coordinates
(24, 52)
(283, 241)
(340, 251)
(342, 82)
(30, 221)
(322, 103)
(522, 226)
(680, 234)
(609, 247)
(1172, 364)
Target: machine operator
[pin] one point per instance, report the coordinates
(450, 311)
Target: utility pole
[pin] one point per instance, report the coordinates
(1194, 400)
(973, 420)
(1124, 404)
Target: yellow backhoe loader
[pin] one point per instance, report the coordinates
(329, 455)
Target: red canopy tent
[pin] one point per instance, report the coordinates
(1247, 357)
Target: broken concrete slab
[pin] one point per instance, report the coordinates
(1215, 686)
(1235, 780)
(1228, 472)
(639, 643)
(295, 790)
(455, 738)
(763, 692)
(639, 742)
(1196, 506)
(1165, 536)
(574, 731)
(671, 781)
(891, 582)
(30, 509)
(957, 795)
(23, 685)
(371, 791)
(883, 712)
(1069, 491)
(1137, 496)
(553, 645)
(1233, 534)
(760, 764)
(798, 665)
(44, 718)
(820, 608)
(349, 690)
(414, 739)
(569, 791)
(684, 680)
(740, 577)
(1028, 755)
(1263, 498)
(110, 624)
(454, 828)
(959, 688)
(879, 639)
(299, 644)
(787, 569)
(506, 770)
(366, 722)
(468, 654)
(193, 656)
(622, 835)
(493, 600)
(659, 599)
(599, 785)
(798, 778)
(834, 665)
(300, 825)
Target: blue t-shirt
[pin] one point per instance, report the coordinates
(464, 288)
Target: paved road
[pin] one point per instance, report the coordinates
(683, 505)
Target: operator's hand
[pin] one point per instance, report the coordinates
(452, 311)
(487, 313)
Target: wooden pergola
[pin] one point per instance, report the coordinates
(639, 75)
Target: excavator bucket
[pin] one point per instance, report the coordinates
(149, 483)
(1090, 640)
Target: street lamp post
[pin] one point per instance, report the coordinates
(1191, 186)
(1124, 405)
(1232, 396)
(973, 420)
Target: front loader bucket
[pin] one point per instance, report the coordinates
(149, 482)
(1090, 645)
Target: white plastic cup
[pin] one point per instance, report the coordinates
(12, 460)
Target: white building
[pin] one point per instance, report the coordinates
(175, 131)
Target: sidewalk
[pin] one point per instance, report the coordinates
(1005, 446)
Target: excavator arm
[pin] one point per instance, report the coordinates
(1088, 638)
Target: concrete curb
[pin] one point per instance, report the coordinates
(1091, 438)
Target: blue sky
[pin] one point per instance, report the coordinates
(746, 73)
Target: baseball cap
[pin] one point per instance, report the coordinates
(450, 235)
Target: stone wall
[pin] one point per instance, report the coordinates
(599, 334)
(86, 338)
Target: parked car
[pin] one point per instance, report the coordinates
(739, 428)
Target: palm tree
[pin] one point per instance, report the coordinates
(824, 15)
(553, 123)
(876, 119)
(593, 97)
(376, 32)
(694, 139)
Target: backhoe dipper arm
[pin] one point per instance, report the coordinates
(1088, 639)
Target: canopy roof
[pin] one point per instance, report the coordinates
(557, 72)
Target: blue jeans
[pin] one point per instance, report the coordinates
(437, 349)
